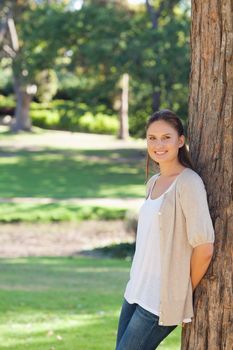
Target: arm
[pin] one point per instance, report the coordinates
(200, 261)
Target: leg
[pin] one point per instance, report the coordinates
(127, 312)
(143, 331)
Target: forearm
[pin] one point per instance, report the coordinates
(200, 260)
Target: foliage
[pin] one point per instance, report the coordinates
(66, 115)
(90, 49)
(6, 102)
(47, 85)
(99, 123)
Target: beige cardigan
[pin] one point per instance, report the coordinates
(185, 223)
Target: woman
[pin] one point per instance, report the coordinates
(174, 244)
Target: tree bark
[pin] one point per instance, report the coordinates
(154, 15)
(156, 101)
(124, 123)
(22, 120)
(210, 133)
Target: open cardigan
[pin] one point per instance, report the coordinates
(185, 223)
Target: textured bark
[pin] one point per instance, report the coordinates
(22, 120)
(154, 15)
(124, 123)
(156, 101)
(210, 132)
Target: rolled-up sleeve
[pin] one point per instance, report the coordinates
(193, 198)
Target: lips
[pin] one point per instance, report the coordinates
(160, 153)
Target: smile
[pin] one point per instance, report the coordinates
(160, 153)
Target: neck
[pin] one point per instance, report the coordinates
(170, 169)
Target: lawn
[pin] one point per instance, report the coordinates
(62, 165)
(63, 303)
(71, 173)
(66, 169)
(57, 212)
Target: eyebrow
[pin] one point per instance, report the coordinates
(161, 135)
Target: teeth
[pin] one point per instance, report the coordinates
(160, 152)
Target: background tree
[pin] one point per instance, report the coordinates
(211, 146)
(159, 63)
(25, 41)
(158, 11)
(91, 49)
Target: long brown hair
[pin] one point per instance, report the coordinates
(172, 119)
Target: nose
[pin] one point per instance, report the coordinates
(159, 142)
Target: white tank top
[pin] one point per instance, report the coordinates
(143, 286)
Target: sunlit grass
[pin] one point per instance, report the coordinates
(70, 174)
(57, 212)
(63, 303)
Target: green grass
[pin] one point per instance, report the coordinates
(57, 212)
(63, 165)
(61, 174)
(63, 304)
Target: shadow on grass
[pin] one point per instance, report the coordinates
(72, 173)
(116, 251)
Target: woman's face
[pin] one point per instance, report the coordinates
(163, 142)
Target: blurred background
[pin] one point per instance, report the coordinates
(78, 81)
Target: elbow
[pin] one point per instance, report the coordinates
(205, 251)
(208, 257)
(210, 251)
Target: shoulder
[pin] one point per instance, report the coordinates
(152, 178)
(150, 181)
(190, 180)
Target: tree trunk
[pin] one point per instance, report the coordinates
(124, 123)
(210, 132)
(156, 101)
(22, 120)
(154, 15)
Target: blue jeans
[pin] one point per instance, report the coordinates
(138, 329)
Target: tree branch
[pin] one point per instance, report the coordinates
(13, 34)
(3, 30)
(153, 15)
(9, 51)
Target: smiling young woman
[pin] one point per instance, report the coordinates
(174, 243)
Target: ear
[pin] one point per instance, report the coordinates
(181, 141)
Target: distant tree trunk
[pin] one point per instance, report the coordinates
(210, 132)
(22, 120)
(124, 123)
(156, 101)
(154, 15)
(23, 93)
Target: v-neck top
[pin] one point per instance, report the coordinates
(152, 187)
(143, 286)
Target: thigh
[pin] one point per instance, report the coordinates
(127, 311)
(143, 331)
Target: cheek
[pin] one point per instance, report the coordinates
(150, 151)
(172, 144)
